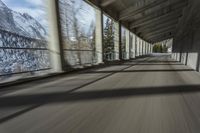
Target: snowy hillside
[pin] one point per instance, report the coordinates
(22, 24)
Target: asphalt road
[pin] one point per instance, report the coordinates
(147, 95)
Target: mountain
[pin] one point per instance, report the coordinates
(22, 24)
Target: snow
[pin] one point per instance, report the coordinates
(22, 24)
(2, 5)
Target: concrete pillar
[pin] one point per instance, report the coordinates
(133, 50)
(144, 48)
(130, 45)
(142, 43)
(55, 49)
(138, 46)
(183, 59)
(141, 47)
(120, 41)
(147, 48)
(98, 35)
(116, 45)
(192, 60)
(127, 44)
(151, 51)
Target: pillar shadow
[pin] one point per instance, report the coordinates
(36, 100)
(75, 96)
(150, 70)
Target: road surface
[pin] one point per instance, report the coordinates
(147, 95)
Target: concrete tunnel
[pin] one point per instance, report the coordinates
(99, 66)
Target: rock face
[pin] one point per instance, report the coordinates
(22, 24)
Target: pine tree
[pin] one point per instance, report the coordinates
(108, 38)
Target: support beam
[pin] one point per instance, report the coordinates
(168, 32)
(155, 27)
(157, 23)
(133, 11)
(175, 14)
(161, 11)
(169, 28)
(162, 37)
(106, 3)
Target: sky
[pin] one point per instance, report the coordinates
(35, 8)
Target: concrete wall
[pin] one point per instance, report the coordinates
(187, 39)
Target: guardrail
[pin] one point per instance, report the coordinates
(20, 54)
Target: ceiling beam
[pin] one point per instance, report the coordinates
(106, 3)
(153, 27)
(172, 8)
(166, 33)
(162, 10)
(162, 38)
(159, 22)
(158, 30)
(170, 31)
(133, 10)
(174, 14)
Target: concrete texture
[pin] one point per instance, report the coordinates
(149, 95)
(187, 39)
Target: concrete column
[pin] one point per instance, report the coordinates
(54, 40)
(120, 42)
(183, 59)
(177, 56)
(141, 47)
(192, 60)
(133, 50)
(149, 50)
(127, 44)
(138, 43)
(98, 35)
(131, 45)
(144, 48)
(138, 46)
(116, 47)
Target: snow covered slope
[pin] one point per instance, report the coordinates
(22, 24)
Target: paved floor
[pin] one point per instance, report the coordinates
(149, 95)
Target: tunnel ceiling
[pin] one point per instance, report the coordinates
(152, 20)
